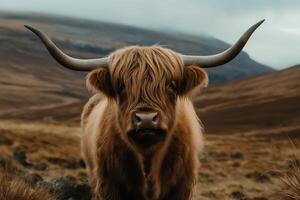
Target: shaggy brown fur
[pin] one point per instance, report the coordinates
(142, 77)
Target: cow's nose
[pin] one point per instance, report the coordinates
(144, 120)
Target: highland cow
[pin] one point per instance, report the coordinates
(141, 135)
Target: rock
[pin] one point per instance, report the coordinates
(66, 188)
(32, 178)
(44, 184)
(258, 177)
(214, 154)
(20, 157)
(238, 195)
(66, 163)
(39, 166)
(237, 155)
(82, 163)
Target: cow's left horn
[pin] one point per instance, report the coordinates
(223, 57)
(68, 61)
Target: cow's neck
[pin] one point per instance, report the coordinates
(152, 170)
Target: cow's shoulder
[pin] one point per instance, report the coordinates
(90, 106)
(187, 117)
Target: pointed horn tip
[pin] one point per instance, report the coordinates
(251, 30)
(34, 30)
(258, 23)
(30, 28)
(261, 21)
(27, 26)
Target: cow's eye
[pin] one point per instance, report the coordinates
(121, 87)
(172, 86)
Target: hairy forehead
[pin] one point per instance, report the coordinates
(148, 63)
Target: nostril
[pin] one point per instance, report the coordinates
(137, 120)
(146, 120)
(155, 119)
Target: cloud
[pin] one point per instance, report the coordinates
(276, 43)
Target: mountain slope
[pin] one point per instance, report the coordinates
(101, 38)
(262, 105)
(31, 80)
(269, 102)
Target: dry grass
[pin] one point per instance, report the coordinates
(291, 178)
(234, 166)
(291, 182)
(13, 187)
(248, 123)
(41, 142)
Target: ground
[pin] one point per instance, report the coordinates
(250, 125)
(236, 166)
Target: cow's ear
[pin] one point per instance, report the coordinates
(99, 81)
(193, 77)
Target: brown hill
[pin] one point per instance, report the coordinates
(264, 102)
(34, 87)
(269, 103)
(246, 151)
(31, 80)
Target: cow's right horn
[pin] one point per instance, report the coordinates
(64, 59)
(223, 57)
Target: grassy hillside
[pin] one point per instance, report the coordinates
(248, 123)
(264, 102)
(30, 80)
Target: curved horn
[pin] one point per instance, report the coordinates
(223, 57)
(64, 59)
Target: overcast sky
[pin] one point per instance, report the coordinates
(276, 43)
